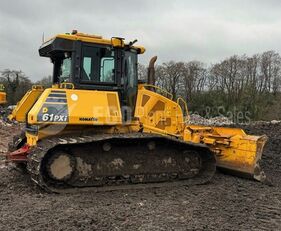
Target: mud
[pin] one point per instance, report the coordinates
(227, 203)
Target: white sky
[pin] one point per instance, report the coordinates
(204, 30)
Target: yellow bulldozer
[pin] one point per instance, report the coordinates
(2, 95)
(98, 125)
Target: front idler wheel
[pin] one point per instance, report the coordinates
(61, 166)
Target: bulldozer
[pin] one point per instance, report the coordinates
(99, 126)
(2, 95)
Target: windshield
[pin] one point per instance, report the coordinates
(65, 70)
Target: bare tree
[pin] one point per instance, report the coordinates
(16, 84)
(168, 76)
(142, 72)
(45, 81)
(270, 71)
(194, 79)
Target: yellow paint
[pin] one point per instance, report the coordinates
(94, 39)
(117, 42)
(155, 112)
(234, 149)
(2, 98)
(25, 104)
(84, 107)
(31, 139)
(2, 95)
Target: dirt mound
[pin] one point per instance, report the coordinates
(7, 129)
(227, 203)
(196, 119)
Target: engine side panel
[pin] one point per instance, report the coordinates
(77, 107)
(25, 104)
(158, 113)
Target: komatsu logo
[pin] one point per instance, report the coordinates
(54, 118)
(88, 119)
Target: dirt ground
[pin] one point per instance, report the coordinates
(227, 203)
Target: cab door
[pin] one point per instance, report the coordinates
(130, 80)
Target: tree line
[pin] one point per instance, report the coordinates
(16, 84)
(240, 87)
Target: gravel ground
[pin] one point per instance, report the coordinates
(227, 203)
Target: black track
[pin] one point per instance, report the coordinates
(134, 158)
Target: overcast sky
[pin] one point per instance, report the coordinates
(205, 30)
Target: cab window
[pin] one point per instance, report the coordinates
(65, 70)
(62, 67)
(98, 65)
(131, 68)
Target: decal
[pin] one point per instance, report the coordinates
(53, 113)
(88, 119)
(63, 95)
(74, 97)
(55, 100)
(54, 118)
(56, 97)
(57, 91)
(45, 110)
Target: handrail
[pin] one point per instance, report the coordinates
(180, 99)
(160, 89)
(66, 85)
(37, 87)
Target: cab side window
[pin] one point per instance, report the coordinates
(98, 65)
(107, 69)
(131, 69)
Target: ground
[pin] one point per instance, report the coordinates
(227, 203)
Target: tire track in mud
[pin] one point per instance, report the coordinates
(267, 216)
(227, 203)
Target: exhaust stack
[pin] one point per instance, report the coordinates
(151, 71)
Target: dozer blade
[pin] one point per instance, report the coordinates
(244, 158)
(236, 152)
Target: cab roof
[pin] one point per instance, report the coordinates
(75, 35)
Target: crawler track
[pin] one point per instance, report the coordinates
(116, 161)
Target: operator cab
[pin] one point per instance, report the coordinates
(92, 63)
